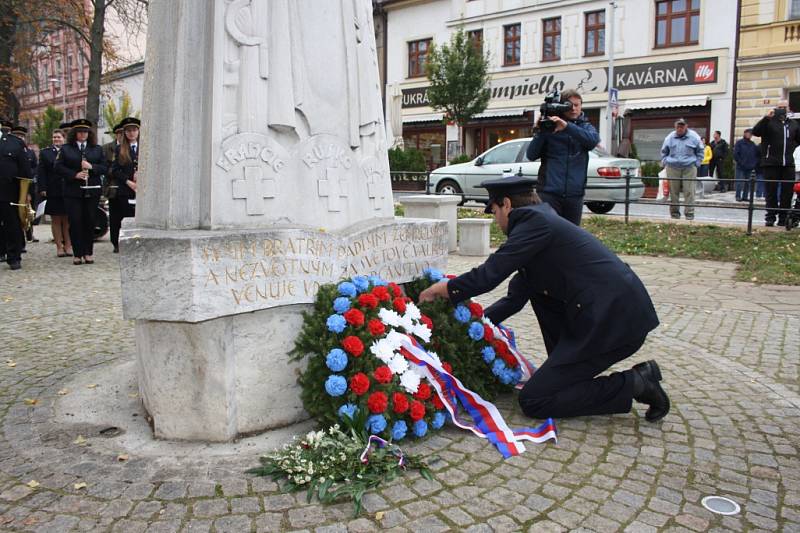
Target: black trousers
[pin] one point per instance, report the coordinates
(570, 208)
(80, 212)
(717, 164)
(13, 237)
(786, 176)
(561, 390)
(118, 208)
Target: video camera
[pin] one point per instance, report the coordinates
(552, 107)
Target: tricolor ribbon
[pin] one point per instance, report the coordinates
(488, 423)
(526, 366)
(381, 443)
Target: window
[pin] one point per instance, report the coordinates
(417, 54)
(794, 101)
(476, 38)
(69, 70)
(504, 153)
(677, 22)
(595, 33)
(551, 39)
(794, 9)
(511, 44)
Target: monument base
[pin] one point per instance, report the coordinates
(217, 312)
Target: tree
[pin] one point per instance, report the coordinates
(459, 78)
(113, 116)
(50, 120)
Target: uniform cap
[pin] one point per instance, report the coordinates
(65, 125)
(501, 187)
(19, 129)
(6, 124)
(129, 121)
(82, 123)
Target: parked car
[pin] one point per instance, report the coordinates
(605, 185)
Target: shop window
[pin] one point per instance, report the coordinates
(595, 33)
(430, 143)
(794, 10)
(417, 55)
(476, 38)
(511, 44)
(497, 135)
(677, 22)
(551, 39)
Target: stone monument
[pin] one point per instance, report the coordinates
(265, 175)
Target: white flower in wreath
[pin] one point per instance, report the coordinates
(389, 317)
(421, 331)
(413, 311)
(398, 364)
(382, 349)
(410, 381)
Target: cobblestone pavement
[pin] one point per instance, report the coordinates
(729, 352)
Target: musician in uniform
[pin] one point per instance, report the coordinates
(124, 173)
(14, 164)
(22, 133)
(592, 308)
(110, 147)
(51, 188)
(81, 163)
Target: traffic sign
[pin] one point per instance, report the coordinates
(613, 96)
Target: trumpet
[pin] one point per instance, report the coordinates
(24, 209)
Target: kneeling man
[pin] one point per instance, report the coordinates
(592, 309)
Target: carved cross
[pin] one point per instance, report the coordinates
(333, 187)
(253, 189)
(375, 191)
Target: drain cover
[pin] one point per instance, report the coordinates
(721, 505)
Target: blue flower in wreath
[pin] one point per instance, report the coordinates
(376, 424)
(463, 315)
(438, 420)
(335, 385)
(348, 410)
(341, 304)
(498, 366)
(506, 376)
(420, 428)
(377, 281)
(517, 374)
(336, 323)
(346, 288)
(336, 360)
(399, 430)
(476, 331)
(488, 354)
(433, 274)
(361, 283)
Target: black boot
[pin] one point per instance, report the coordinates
(647, 389)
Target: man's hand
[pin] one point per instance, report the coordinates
(771, 113)
(85, 165)
(437, 290)
(561, 124)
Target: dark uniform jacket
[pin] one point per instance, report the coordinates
(68, 164)
(778, 141)
(47, 179)
(120, 174)
(588, 302)
(13, 163)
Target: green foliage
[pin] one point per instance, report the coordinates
(113, 116)
(463, 158)
(651, 169)
(408, 160)
(43, 131)
(729, 165)
(459, 78)
(633, 153)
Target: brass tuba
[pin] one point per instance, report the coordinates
(24, 209)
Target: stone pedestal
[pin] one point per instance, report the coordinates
(474, 236)
(439, 207)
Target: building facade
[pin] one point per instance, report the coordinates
(769, 59)
(672, 58)
(115, 85)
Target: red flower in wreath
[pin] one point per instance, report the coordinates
(417, 411)
(381, 293)
(354, 317)
(488, 334)
(450, 276)
(437, 402)
(376, 327)
(382, 374)
(423, 392)
(448, 367)
(399, 403)
(500, 347)
(368, 300)
(395, 288)
(359, 383)
(377, 402)
(399, 305)
(427, 321)
(475, 309)
(509, 359)
(353, 345)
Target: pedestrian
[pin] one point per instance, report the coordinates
(51, 188)
(760, 188)
(22, 133)
(779, 138)
(746, 155)
(14, 164)
(110, 147)
(707, 154)
(564, 152)
(124, 175)
(591, 307)
(719, 148)
(681, 155)
(81, 164)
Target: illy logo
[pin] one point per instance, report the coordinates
(704, 72)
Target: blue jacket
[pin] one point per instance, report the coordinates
(682, 151)
(746, 154)
(565, 157)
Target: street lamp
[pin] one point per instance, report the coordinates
(61, 84)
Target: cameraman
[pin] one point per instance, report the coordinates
(779, 137)
(564, 152)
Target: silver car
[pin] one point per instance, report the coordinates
(605, 185)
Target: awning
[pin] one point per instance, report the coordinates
(507, 112)
(430, 117)
(655, 103)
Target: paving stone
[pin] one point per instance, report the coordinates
(360, 525)
(269, 522)
(198, 526)
(306, 516)
(232, 524)
(245, 505)
(164, 526)
(210, 508)
(429, 523)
